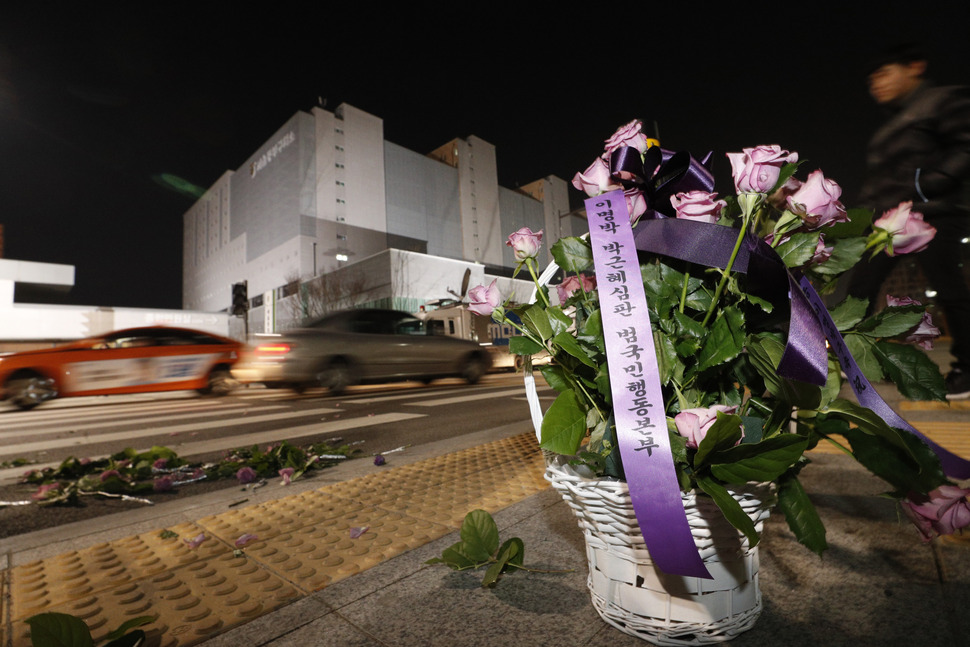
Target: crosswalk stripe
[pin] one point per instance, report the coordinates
(134, 420)
(465, 398)
(45, 445)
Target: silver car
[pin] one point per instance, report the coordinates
(366, 345)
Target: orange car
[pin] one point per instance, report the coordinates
(136, 360)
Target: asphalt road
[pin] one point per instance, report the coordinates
(379, 417)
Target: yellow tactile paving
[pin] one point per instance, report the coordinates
(953, 436)
(934, 405)
(304, 544)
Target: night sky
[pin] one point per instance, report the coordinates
(97, 103)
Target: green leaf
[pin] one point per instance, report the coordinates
(521, 345)
(801, 515)
(555, 377)
(863, 349)
(687, 327)
(558, 320)
(129, 625)
(764, 353)
(725, 340)
(564, 425)
(758, 462)
(572, 254)
(799, 249)
(867, 421)
(592, 331)
(455, 557)
(569, 344)
(913, 469)
(511, 552)
(668, 361)
(724, 433)
(536, 320)
(916, 376)
(479, 534)
(892, 321)
(848, 313)
(729, 507)
(58, 630)
(858, 225)
(845, 255)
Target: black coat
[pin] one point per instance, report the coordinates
(923, 148)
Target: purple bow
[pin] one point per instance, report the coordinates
(660, 174)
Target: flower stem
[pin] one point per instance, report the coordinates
(529, 262)
(749, 205)
(840, 446)
(683, 292)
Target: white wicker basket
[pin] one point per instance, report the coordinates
(627, 589)
(635, 596)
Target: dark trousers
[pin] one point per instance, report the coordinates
(942, 263)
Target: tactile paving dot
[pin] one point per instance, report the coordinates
(192, 601)
(303, 545)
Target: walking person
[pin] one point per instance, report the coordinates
(921, 153)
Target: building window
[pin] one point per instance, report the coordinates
(339, 165)
(339, 148)
(339, 183)
(341, 201)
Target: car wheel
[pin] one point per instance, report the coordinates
(26, 391)
(336, 376)
(220, 383)
(473, 369)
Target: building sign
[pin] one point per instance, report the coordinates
(263, 160)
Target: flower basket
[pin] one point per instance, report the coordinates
(632, 594)
(698, 358)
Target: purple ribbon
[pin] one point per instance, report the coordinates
(953, 465)
(805, 357)
(638, 405)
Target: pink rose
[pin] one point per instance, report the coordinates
(483, 300)
(160, 464)
(907, 231)
(628, 135)
(944, 511)
(698, 206)
(196, 541)
(48, 491)
(596, 179)
(636, 204)
(693, 424)
(105, 475)
(816, 202)
(244, 539)
(822, 253)
(572, 283)
(246, 475)
(756, 170)
(287, 474)
(525, 243)
(162, 484)
(925, 332)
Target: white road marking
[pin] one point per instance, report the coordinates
(45, 445)
(57, 427)
(440, 402)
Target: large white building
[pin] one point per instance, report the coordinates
(326, 192)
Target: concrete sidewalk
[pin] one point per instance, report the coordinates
(876, 585)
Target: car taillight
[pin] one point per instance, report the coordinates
(273, 349)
